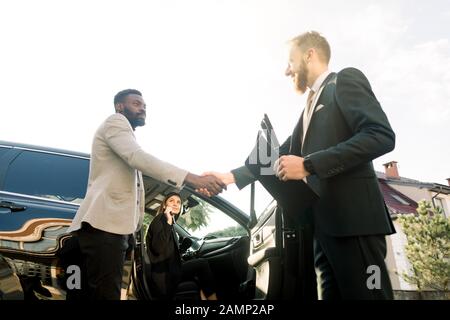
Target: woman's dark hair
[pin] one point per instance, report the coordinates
(163, 203)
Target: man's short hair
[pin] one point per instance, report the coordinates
(121, 95)
(313, 39)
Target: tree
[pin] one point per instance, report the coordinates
(233, 231)
(193, 220)
(196, 217)
(428, 247)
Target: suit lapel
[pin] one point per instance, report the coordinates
(296, 142)
(316, 99)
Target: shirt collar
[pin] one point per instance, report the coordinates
(320, 79)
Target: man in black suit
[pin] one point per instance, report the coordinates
(341, 130)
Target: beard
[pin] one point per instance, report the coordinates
(136, 120)
(301, 79)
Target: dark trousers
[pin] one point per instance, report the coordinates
(346, 267)
(199, 270)
(103, 257)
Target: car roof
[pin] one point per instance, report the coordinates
(41, 148)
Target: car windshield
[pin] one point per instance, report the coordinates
(206, 221)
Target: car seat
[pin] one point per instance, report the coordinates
(186, 290)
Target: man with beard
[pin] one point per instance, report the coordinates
(113, 208)
(340, 131)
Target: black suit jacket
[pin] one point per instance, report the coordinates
(345, 134)
(343, 138)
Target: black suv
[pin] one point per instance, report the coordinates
(40, 192)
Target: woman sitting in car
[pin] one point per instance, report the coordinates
(167, 268)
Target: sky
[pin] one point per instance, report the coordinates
(210, 69)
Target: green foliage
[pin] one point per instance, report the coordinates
(197, 217)
(146, 222)
(147, 219)
(428, 247)
(233, 231)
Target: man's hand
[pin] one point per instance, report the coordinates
(291, 168)
(227, 178)
(210, 184)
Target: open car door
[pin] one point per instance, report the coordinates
(281, 238)
(281, 254)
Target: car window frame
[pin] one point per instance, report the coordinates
(4, 168)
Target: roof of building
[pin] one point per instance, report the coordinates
(435, 187)
(396, 201)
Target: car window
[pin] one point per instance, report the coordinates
(3, 151)
(49, 176)
(205, 220)
(241, 199)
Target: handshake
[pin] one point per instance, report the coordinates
(211, 183)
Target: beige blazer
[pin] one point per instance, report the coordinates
(115, 195)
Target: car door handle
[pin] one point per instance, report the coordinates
(12, 206)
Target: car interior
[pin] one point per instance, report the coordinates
(209, 228)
